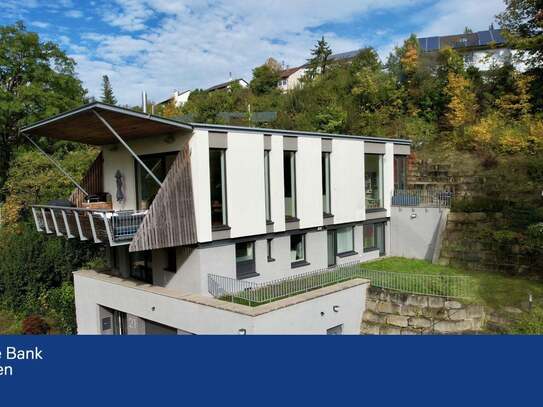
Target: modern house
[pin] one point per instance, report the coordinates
(186, 210)
(481, 49)
(178, 98)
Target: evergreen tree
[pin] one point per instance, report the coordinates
(319, 60)
(107, 92)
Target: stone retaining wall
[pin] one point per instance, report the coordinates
(394, 313)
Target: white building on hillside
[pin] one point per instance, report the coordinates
(189, 213)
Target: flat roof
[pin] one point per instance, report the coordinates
(293, 133)
(81, 125)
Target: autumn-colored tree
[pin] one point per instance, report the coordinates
(461, 109)
(516, 104)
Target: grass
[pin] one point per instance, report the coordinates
(9, 323)
(491, 289)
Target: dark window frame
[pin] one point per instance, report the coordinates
(147, 265)
(400, 166)
(301, 262)
(269, 248)
(381, 183)
(171, 260)
(346, 252)
(267, 186)
(224, 188)
(246, 269)
(138, 168)
(293, 186)
(375, 242)
(327, 183)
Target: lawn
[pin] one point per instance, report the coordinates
(492, 289)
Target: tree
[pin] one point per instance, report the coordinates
(522, 22)
(461, 108)
(37, 80)
(264, 80)
(319, 60)
(107, 92)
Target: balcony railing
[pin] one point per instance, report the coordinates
(422, 198)
(254, 294)
(97, 225)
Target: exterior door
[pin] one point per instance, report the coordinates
(331, 248)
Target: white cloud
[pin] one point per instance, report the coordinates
(40, 24)
(74, 13)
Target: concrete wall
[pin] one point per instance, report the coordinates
(415, 232)
(313, 315)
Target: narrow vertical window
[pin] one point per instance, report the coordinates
(245, 260)
(400, 172)
(297, 250)
(269, 248)
(289, 163)
(373, 167)
(345, 240)
(326, 196)
(171, 260)
(217, 174)
(267, 184)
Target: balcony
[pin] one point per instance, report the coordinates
(115, 228)
(422, 198)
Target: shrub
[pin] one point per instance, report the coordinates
(477, 204)
(35, 325)
(529, 324)
(60, 303)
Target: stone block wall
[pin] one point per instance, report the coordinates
(393, 313)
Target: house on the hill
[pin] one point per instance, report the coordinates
(481, 49)
(228, 85)
(178, 98)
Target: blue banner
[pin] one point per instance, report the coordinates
(268, 370)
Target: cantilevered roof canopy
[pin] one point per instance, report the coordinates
(83, 126)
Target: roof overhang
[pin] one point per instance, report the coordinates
(83, 126)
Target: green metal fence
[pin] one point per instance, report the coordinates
(253, 293)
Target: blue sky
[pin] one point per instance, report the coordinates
(162, 45)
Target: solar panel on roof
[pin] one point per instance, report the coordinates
(497, 34)
(484, 37)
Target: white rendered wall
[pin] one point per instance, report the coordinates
(199, 149)
(163, 307)
(245, 190)
(347, 180)
(388, 176)
(309, 182)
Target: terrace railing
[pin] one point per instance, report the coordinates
(97, 225)
(254, 293)
(422, 198)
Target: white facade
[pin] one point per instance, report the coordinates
(245, 206)
(292, 81)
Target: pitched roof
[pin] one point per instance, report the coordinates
(459, 41)
(285, 73)
(224, 84)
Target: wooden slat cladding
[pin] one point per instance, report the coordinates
(170, 221)
(93, 182)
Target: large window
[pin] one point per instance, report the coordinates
(245, 260)
(146, 186)
(345, 240)
(297, 249)
(373, 166)
(267, 184)
(141, 266)
(326, 196)
(289, 166)
(374, 238)
(217, 175)
(400, 172)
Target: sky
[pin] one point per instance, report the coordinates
(164, 45)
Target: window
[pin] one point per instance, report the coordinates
(335, 330)
(373, 166)
(345, 240)
(289, 166)
(267, 184)
(217, 175)
(297, 249)
(269, 243)
(374, 238)
(146, 186)
(400, 172)
(326, 197)
(245, 260)
(141, 266)
(331, 247)
(171, 260)
(114, 258)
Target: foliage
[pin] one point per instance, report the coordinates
(264, 80)
(522, 21)
(461, 107)
(319, 58)
(107, 91)
(35, 325)
(530, 323)
(32, 263)
(37, 80)
(59, 303)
